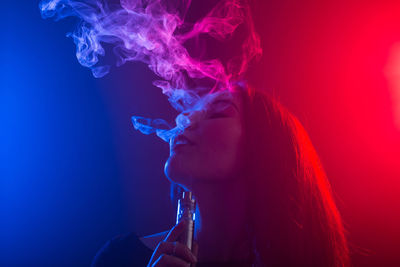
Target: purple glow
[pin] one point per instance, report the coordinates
(154, 32)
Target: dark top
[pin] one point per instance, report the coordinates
(129, 250)
(123, 250)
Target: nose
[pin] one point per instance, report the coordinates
(192, 126)
(192, 119)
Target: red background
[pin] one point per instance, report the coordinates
(334, 64)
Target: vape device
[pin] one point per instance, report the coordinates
(186, 211)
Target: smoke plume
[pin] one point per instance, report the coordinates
(155, 32)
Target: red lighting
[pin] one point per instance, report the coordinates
(392, 72)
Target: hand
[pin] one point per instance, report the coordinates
(170, 252)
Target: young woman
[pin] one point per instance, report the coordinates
(263, 198)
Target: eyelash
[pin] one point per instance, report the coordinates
(217, 115)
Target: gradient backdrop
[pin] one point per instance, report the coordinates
(74, 173)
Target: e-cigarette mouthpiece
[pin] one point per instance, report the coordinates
(186, 211)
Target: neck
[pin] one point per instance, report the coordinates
(220, 227)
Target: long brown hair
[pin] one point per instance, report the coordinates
(291, 209)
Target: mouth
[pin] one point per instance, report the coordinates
(181, 141)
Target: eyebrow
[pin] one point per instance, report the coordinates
(227, 101)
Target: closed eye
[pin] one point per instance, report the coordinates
(221, 109)
(217, 115)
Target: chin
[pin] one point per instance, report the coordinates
(176, 170)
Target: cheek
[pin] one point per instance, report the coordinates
(215, 156)
(222, 137)
(221, 144)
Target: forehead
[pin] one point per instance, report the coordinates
(233, 97)
(237, 99)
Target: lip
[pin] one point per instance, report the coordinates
(181, 138)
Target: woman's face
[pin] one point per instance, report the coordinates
(210, 149)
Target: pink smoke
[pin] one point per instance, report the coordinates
(154, 32)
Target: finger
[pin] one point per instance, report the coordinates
(183, 252)
(175, 232)
(195, 252)
(168, 260)
(175, 249)
(195, 248)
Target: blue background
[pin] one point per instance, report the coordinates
(65, 139)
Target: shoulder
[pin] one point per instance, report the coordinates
(122, 250)
(151, 241)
